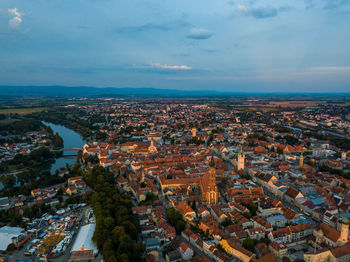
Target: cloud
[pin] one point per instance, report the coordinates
(199, 34)
(171, 67)
(258, 12)
(16, 20)
(332, 4)
(242, 8)
(144, 27)
(153, 27)
(331, 68)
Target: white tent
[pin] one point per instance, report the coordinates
(10, 235)
(84, 242)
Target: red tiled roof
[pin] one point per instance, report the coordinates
(339, 252)
(329, 232)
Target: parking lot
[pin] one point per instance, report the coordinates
(54, 236)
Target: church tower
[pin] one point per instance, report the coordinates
(212, 193)
(344, 232)
(301, 161)
(343, 155)
(194, 132)
(240, 160)
(208, 187)
(143, 175)
(152, 148)
(212, 175)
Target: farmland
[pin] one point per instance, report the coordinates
(22, 111)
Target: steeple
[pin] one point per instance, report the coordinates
(212, 177)
(212, 162)
(143, 175)
(344, 230)
(343, 155)
(240, 160)
(194, 132)
(209, 190)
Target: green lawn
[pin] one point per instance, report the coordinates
(22, 111)
(7, 121)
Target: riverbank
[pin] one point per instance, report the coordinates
(71, 141)
(68, 117)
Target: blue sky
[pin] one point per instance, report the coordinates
(226, 45)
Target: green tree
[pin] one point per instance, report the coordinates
(180, 226)
(11, 247)
(249, 244)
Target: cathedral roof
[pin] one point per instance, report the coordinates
(212, 162)
(205, 181)
(329, 232)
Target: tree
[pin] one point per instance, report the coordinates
(125, 244)
(8, 181)
(249, 244)
(252, 207)
(117, 228)
(180, 226)
(107, 249)
(175, 219)
(11, 247)
(108, 223)
(117, 232)
(173, 215)
(57, 141)
(247, 214)
(226, 222)
(286, 259)
(124, 258)
(193, 205)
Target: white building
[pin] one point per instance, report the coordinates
(83, 247)
(10, 235)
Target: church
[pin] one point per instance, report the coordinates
(209, 190)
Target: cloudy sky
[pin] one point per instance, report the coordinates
(226, 45)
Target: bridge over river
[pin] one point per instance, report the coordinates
(68, 149)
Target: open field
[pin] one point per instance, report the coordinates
(7, 121)
(293, 104)
(22, 111)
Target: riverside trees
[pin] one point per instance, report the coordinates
(116, 227)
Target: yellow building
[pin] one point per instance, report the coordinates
(338, 254)
(230, 246)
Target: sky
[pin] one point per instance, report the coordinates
(224, 45)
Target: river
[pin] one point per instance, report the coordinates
(71, 139)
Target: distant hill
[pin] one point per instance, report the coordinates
(83, 91)
(80, 91)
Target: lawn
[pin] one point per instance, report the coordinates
(7, 121)
(22, 111)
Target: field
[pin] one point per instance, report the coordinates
(22, 111)
(293, 104)
(7, 121)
